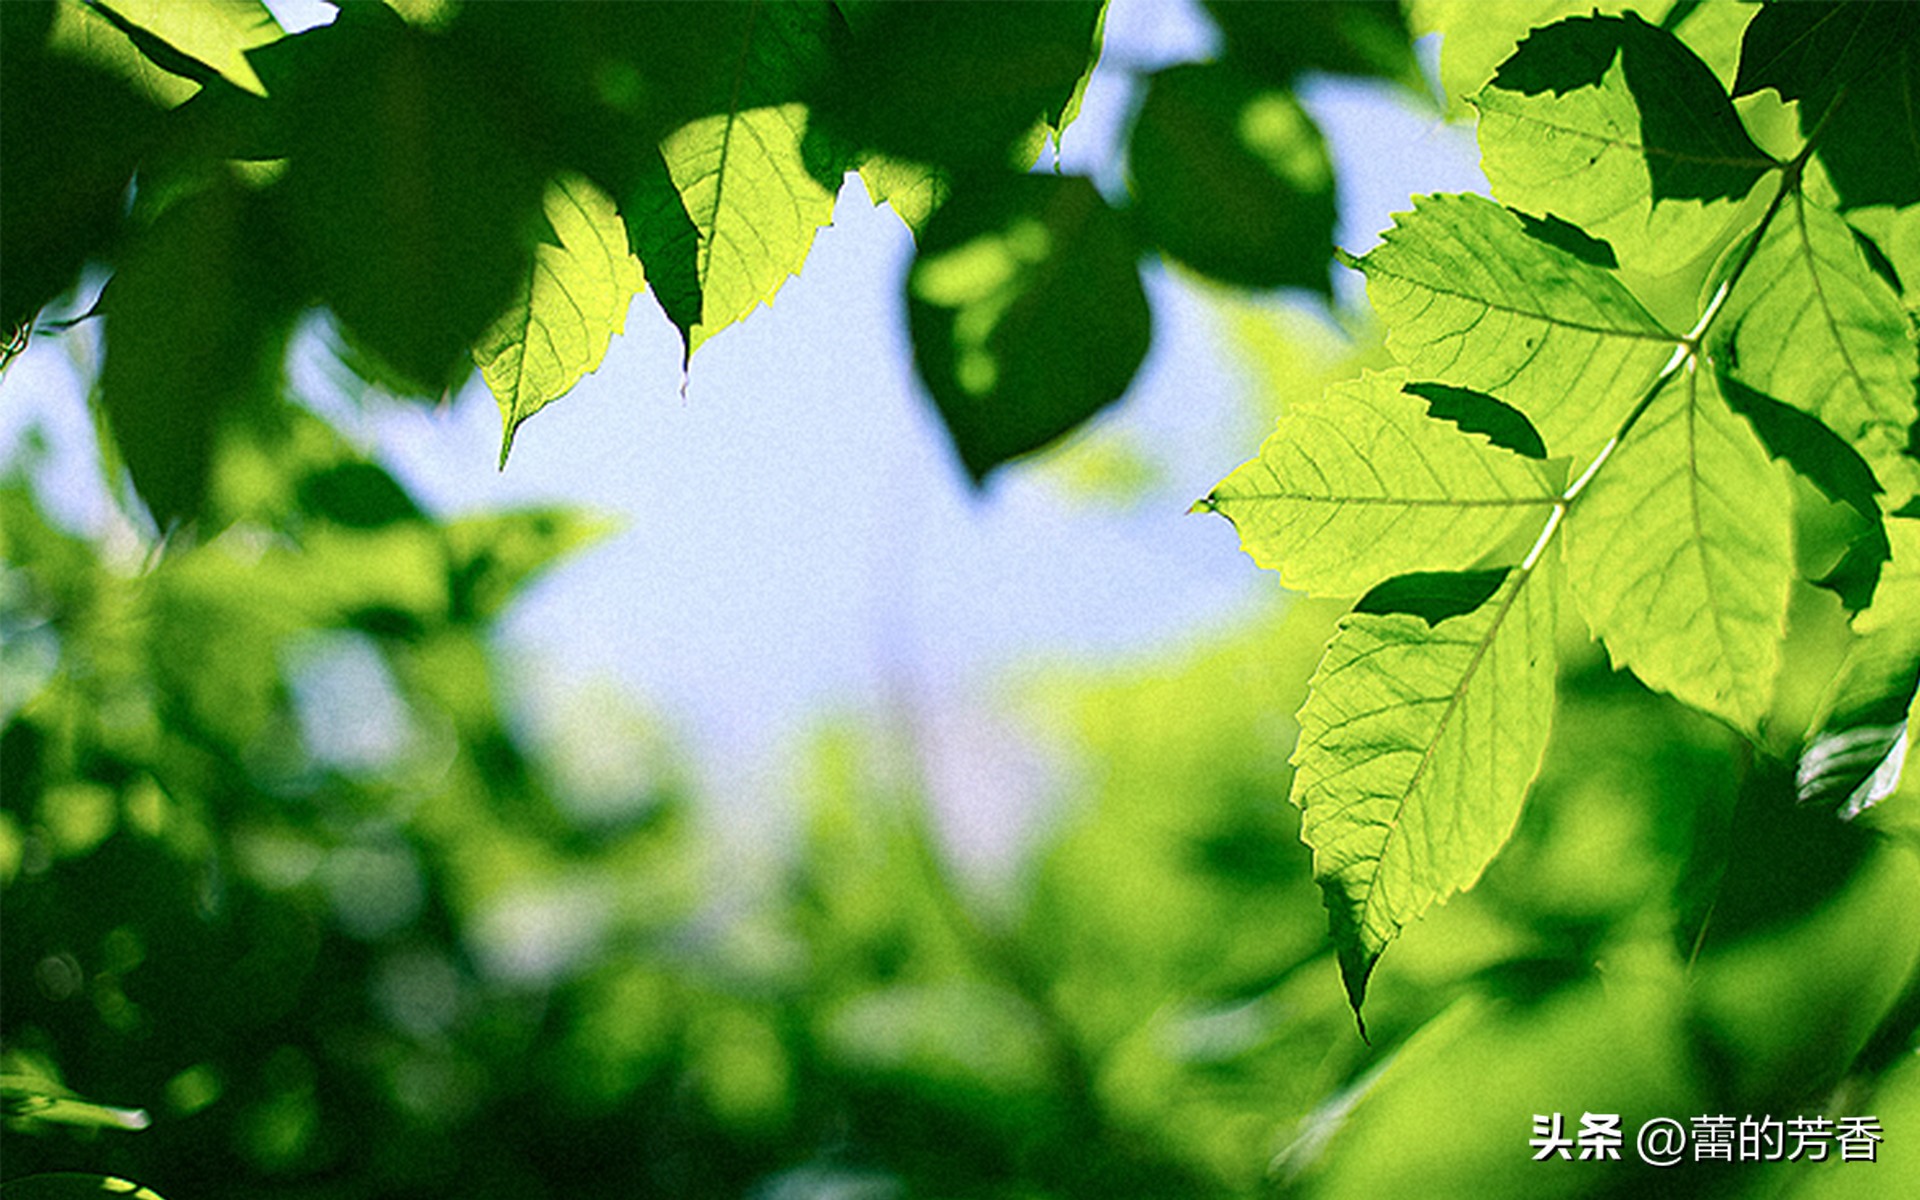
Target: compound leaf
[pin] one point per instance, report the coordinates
(1469, 298)
(1362, 484)
(1812, 325)
(574, 301)
(1418, 742)
(1855, 70)
(1680, 554)
(1619, 128)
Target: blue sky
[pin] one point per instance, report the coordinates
(796, 535)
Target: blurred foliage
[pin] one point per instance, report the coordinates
(282, 874)
(288, 882)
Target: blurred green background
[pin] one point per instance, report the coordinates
(463, 955)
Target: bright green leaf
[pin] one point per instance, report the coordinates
(574, 301)
(1470, 299)
(1810, 324)
(1027, 313)
(1362, 484)
(747, 190)
(1617, 127)
(1231, 176)
(1417, 745)
(1680, 554)
(216, 33)
(913, 191)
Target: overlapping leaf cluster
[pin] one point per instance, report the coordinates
(492, 184)
(1548, 442)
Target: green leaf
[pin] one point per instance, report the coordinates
(1807, 446)
(960, 84)
(1231, 177)
(1680, 554)
(1418, 743)
(1476, 412)
(1854, 757)
(1812, 325)
(413, 208)
(1620, 129)
(575, 300)
(912, 190)
(755, 207)
(1027, 313)
(667, 242)
(1855, 70)
(211, 34)
(195, 333)
(1350, 37)
(1470, 299)
(1363, 484)
(1433, 596)
(70, 136)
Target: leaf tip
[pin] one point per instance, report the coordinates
(1204, 504)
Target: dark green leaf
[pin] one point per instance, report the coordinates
(1418, 742)
(1569, 237)
(415, 209)
(1807, 446)
(1855, 577)
(1433, 596)
(1027, 313)
(358, 495)
(70, 136)
(961, 84)
(1232, 178)
(1348, 37)
(1855, 69)
(195, 332)
(667, 243)
(1476, 412)
(1608, 122)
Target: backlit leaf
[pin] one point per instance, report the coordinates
(216, 33)
(1470, 299)
(575, 300)
(747, 190)
(1810, 324)
(1417, 745)
(1616, 126)
(1362, 484)
(1855, 70)
(1680, 554)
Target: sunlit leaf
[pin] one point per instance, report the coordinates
(1810, 324)
(747, 190)
(1417, 745)
(1680, 554)
(1470, 299)
(1027, 313)
(213, 33)
(1616, 126)
(1361, 484)
(1855, 70)
(575, 300)
(1232, 177)
(68, 1186)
